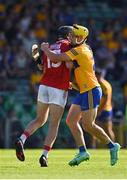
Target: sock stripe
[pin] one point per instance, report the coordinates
(47, 148)
(26, 134)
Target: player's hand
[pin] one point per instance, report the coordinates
(40, 67)
(75, 86)
(70, 85)
(35, 53)
(44, 46)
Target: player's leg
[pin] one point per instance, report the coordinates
(89, 113)
(88, 122)
(42, 114)
(56, 113)
(108, 127)
(105, 121)
(57, 102)
(72, 121)
(93, 142)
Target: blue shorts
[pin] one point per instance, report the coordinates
(89, 99)
(105, 116)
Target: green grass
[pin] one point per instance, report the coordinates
(97, 168)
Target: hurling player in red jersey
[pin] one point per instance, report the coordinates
(52, 96)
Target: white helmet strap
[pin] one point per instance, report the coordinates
(79, 42)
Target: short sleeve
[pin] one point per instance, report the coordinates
(72, 53)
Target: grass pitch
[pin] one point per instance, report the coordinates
(98, 167)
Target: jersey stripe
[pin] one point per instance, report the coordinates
(74, 52)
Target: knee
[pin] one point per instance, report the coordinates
(89, 127)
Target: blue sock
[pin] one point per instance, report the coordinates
(110, 145)
(82, 149)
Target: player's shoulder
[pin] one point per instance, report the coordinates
(63, 42)
(59, 43)
(65, 45)
(82, 47)
(77, 49)
(87, 48)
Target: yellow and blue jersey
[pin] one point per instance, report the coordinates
(90, 91)
(83, 61)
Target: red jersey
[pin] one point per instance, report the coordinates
(56, 75)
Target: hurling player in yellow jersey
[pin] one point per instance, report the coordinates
(105, 108)
(104, 114)
(87, 100)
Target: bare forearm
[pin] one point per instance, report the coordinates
(56, 57)
(51, 55)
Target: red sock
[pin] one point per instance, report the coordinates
(47, 148)
(26, 134)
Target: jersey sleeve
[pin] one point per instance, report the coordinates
(72, 53)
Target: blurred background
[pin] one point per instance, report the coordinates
(25, 22)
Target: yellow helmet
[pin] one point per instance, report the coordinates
(80, 31)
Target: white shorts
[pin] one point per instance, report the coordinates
(50, 95)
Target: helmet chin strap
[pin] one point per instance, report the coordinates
(79, 42)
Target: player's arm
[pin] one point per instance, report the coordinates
(74, 86)
(53, 56)
(40, 67)
(36, 56)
